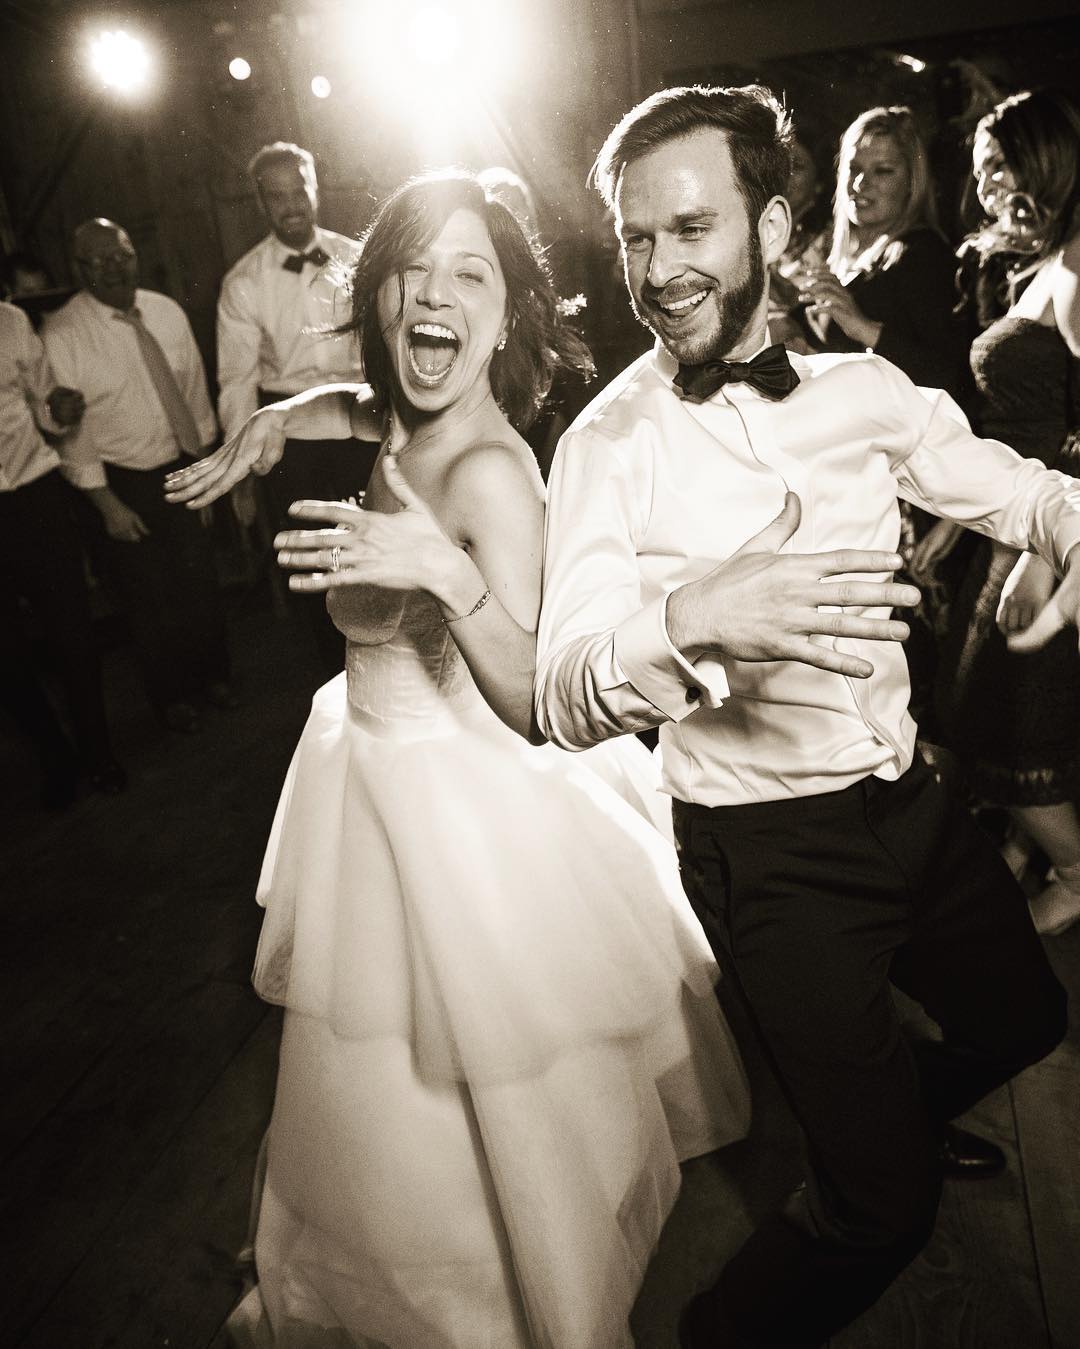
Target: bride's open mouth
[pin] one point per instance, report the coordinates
(433, 350)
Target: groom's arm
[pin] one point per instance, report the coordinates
(605, 665)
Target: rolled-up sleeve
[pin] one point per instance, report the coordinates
(239, 335)
(80, 459)
(605, 664)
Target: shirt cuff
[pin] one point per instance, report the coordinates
(660, 672)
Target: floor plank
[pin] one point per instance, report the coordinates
(164, 1270)
(1048, 1118)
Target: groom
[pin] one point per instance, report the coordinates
(810, 832)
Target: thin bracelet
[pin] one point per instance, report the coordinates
(456, 618)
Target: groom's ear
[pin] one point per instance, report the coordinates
(774, 229)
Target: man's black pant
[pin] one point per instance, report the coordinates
(817, 904)
(41, 564)
(167, 585)
(316, 470)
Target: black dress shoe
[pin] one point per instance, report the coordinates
(965, 1155)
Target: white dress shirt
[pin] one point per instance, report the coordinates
(91, 348)
(25, 383)
(272, 325)
(649, 491)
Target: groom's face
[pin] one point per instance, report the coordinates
(693, 264)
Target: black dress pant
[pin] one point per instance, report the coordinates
(816, 905)
(316, 470)
(167, 586)
(41, 566)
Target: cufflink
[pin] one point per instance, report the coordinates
(693, 693)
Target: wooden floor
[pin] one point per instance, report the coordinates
(139, 1070)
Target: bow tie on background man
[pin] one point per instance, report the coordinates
(769, 372)
(295, 261)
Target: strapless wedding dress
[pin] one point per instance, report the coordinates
(501, 1033)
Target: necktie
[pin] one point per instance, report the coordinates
(165, 385)
(769, 372)
(295, 261)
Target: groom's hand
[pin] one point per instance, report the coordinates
(763, 605)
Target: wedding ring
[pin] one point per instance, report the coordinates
(335, 558)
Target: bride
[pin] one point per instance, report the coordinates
(501, 1035)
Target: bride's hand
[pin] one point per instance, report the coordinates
(408, 550)
(255, 448)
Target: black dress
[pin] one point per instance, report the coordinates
(913, 300)
(1014, 720)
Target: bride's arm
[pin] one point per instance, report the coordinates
(496, 499)
(329, 412)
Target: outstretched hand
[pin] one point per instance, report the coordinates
(406, 550)
(1061, 609)
(255, 448)
(763, 605)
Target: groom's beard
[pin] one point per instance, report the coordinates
(735, 307)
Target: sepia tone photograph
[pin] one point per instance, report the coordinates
(540, 671)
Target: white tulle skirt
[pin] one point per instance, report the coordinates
(501, 1037)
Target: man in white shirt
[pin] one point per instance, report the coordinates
(277, 308)
(824, 857)
(133, 355)
(41, 563)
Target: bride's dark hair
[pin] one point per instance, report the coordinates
(538, 341)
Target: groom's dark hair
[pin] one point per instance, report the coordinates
(757, 125)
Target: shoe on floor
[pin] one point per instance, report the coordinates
(966, 1156)
(182, 718)
(1058, 906)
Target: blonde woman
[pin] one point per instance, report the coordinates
(889, 288)
(889, 283)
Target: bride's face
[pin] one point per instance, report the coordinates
(440, 336)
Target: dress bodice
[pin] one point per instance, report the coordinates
(1021, 369)
(402, 666)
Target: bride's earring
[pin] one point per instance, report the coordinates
(501, 343)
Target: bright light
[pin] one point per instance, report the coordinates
(481, 44)
(435, 36)
(912, 62)
(239, 69)
(320, 86)
(120, 61)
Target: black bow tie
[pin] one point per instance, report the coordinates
(295, 261)
(769, 372)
